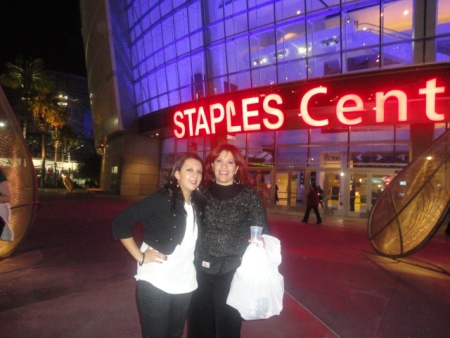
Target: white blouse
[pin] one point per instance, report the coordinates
(177, 274)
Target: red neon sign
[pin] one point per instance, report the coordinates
(318, 107)
(194, 121)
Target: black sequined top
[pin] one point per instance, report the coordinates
(229, 213)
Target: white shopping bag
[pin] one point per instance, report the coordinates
(257, 288)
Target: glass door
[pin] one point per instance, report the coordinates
(282, 188)
(332, 191)
(358, 189)
(378, 182)
(289, 188)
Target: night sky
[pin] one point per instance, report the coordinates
(46, 29)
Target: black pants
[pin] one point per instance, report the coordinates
(316, 211)
(162, 314)
(210, 316)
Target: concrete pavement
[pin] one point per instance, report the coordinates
(70, 279)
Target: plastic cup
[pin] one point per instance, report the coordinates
(255, 233)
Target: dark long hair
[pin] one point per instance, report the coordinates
(2, 172)
(242, 174)
(171, 182)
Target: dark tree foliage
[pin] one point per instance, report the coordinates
(90, 166)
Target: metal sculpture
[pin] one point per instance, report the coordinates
(17, 164)
(414, 205)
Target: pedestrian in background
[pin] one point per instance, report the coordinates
(166, 274)
(232, 207)
(312, 202)
(321, 194)
(352, 198)
(260, 186)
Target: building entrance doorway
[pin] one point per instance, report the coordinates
(345, 192)
(290, 188)
(354, 192)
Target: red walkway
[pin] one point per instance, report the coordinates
(70, 279)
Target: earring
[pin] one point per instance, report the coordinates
(238, 180)
(214, 178)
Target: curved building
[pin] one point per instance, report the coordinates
(340, 93)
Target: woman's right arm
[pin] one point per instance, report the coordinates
(123, 223)
(135, 213)
(130, 244)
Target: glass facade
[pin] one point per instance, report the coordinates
(186, 51)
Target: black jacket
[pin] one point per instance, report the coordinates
(226, 223)
(163, 227)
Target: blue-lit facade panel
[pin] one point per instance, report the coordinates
(186, 50)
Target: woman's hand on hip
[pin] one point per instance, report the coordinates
(154, 256)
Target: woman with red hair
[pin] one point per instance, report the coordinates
(232, 207)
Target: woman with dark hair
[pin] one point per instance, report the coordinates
(166, 274)
(232, 207)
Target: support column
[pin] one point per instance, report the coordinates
(420, 137)
(424, 25)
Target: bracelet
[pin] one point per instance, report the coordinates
(143, 259)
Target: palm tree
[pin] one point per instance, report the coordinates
(57, 120)
(28, 74)
(28, 78)
(69, 140)
(49, 117)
